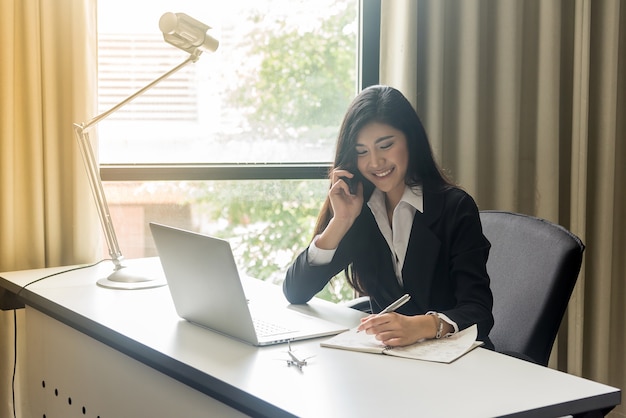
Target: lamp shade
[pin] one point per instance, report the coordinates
(187, 33)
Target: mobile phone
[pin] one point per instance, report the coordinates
(351, 182)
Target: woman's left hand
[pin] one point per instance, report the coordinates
(396, 330)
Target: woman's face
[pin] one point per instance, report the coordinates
(383, 158)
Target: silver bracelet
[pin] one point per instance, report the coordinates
(439, 324)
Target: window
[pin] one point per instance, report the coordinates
(236, 144)
(274, 91)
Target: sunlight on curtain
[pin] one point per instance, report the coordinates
(47, 79)
(524, 104)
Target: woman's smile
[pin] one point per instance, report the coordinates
(384, 173)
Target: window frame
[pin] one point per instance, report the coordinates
(368, 52)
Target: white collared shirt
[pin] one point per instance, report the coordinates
(397, 237)
(398, 233)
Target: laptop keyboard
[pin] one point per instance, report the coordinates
(265, 328)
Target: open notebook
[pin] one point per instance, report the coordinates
(444, 350)
(206, 289)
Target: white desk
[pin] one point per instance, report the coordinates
(119, 353)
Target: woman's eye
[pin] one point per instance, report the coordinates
(386, 146)
(361, 152)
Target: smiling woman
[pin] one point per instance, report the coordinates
(407, 229)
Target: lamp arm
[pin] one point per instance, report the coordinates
(91, 164)
(97, 191)
(192, 58)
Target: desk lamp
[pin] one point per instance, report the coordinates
(183, 32)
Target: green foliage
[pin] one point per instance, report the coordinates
(304, 79)
(269, 223)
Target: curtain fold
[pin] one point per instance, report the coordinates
(575, 319)
(48, 81)
(604, 220)
(524, 104)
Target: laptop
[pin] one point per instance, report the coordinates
(206, 290)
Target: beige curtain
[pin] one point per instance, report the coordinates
(47, 82)
(525, 102)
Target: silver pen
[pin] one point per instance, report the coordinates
(395, 305)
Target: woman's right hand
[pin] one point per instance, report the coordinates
(346, 208)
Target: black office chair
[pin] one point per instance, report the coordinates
(533, 265)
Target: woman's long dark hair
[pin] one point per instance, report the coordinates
(386, 105)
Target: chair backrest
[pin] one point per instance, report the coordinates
(533, 265)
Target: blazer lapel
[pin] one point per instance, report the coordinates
(419, 268)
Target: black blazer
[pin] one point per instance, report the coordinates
(444, 268)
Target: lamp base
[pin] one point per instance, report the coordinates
(134, 278)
